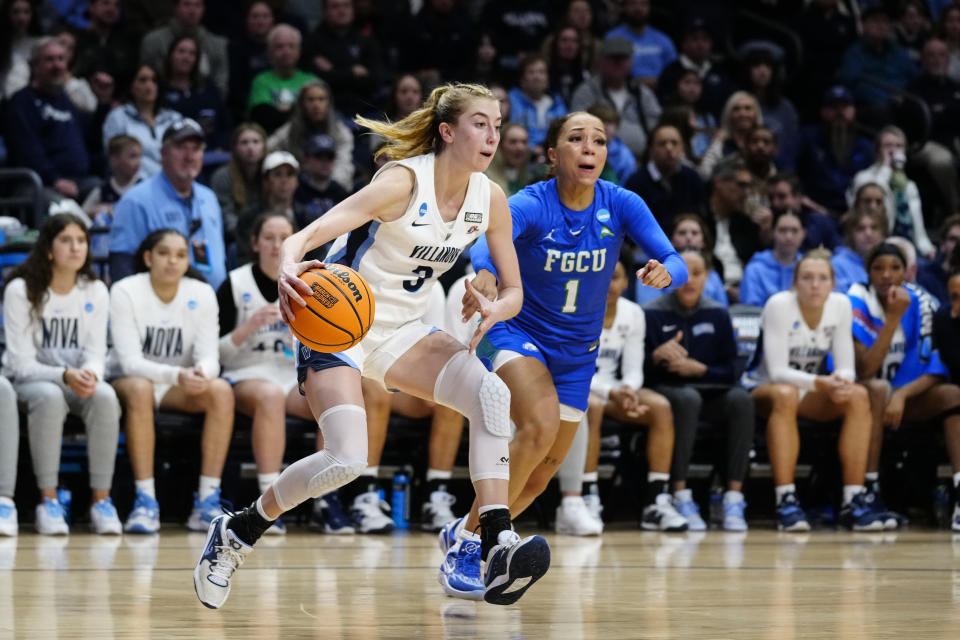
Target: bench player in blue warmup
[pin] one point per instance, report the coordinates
(567, 231)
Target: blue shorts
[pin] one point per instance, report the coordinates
(571, 375)
(307, 358)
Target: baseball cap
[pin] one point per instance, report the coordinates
(615, 46)
(183, 130)
(837, 94)
(320, 145)
(276, 159)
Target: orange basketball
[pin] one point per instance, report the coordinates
(338, 314)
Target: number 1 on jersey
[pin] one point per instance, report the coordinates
(572, 287)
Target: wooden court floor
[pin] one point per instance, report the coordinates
(627, 584)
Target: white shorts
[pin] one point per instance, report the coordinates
(285, 376)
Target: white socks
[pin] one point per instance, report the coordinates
(850, 491)
(147, 487)
(437, 474)
(783, 490)
(264, 480)
(207, 486)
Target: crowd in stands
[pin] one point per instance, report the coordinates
(781, 146)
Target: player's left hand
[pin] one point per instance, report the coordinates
(486, 285)
(653, 274)
(489, 315)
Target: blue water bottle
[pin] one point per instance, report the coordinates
(64, 497)
(400, 500)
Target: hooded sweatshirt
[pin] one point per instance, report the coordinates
(764, 276)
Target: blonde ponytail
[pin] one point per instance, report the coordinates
(419, 132)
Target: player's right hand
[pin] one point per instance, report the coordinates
(290, 288)
(898, 301)
(266, 315)
(485, 284)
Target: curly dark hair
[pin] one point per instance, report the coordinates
(37, 269)
(152, 239)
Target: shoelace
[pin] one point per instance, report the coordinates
(465, 564)
(228, 561)
(54, 509)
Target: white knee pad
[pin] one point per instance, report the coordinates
(343, 458)
(464, 385)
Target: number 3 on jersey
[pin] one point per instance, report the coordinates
(572, 288)
(422, 274)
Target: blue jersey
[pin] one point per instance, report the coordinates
(567, 259)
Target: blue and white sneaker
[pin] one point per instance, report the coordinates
(733, 519)
(51, 518)
(223, 553)
(276, 529)
(513, 565)
(8, 517)
(685, 506)
(145, 517)
(329, 516)
(370, 514)
(790, 516)
(459, 574)
(204, 511)
(104, 519)
(891, 519)
(448, 535)
(860, 514)
(662, 516)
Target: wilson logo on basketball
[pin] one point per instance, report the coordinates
(344, 276)
(323, 296)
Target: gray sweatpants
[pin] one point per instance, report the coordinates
(733, 408)
(9, 438)
(47, 405)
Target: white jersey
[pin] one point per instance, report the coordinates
(621, 350)
(70, 332)
(790, 351)
(402, 258)
(153, 339)
(268, 352)
(453, 306)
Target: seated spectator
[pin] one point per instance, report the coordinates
(741, 115)
(653, 50)
(44, 130)
(248, 53)
(948, 29)
(912, 28)
(280, 172)
(510, 167)
(55, 314)
(737, 237)
(932, 274)
(172, 199)
(19, 31)
(9, 452)
(799, 328)
(902, 194)
(346, 58)
(620, 161)
(579, 14)
(163, 322)
(184, 91)
(317, 191)
(186, 19)
(866, 227)
(530, 103)
(636, 103)
(237, 183)
(668, 186)
(437, 42)
(143, 118)
(617, 391)
(405, 97)
(687, 94)
(107, 44)
(274, 92)
(696, 54)
(763, 77)
(78, 89)
(690, 353)
(517, 27)
(876, 66)
(910, 271)
(784, 194)
(894, 346)
(946, 329)
(256, 349)
(940, 92)
(832, 152)
(771, 271)
(483, 65)
(314, 114)
(562, 53)
(124, 154)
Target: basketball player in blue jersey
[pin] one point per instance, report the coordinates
(567, 231)
(401, 232)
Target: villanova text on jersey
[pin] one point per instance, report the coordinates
(60, 333)
(163, 342)
(433, 253)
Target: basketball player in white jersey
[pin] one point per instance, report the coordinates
(165, 330)
(256, 349)
(401, 232)
(799, 328)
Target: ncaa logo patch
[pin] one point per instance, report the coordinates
(423, 209)
(247, 297)
(603, 215)
(88, 307)
(192, 304)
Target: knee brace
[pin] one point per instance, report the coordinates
(343, 458)
(465, 385)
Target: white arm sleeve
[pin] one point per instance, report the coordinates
(844, 363)
(95, 338)
(776, 347)
(126, 342)
(206, 346)
(631, 362)
(21, 355)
